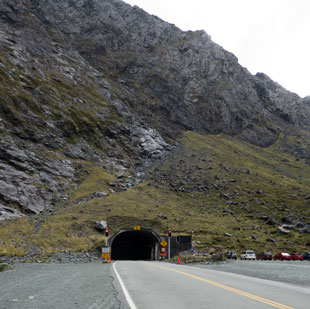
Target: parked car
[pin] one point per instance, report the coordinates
(264, 256)
(282, 256)
(231, 255)
(248, 255)
(297, 257)
(307, 256)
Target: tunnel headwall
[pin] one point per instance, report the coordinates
(129, 244)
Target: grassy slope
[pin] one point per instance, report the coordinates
(226, 165)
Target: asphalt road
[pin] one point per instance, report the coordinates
(164, 285)
(146, 285)
(294, 272)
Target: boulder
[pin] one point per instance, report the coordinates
(288, 226)
(162, 216)
(283, 230)
(101, 194)
(271, 221)
(305, 229)
(101, 225)
(226, 196)
(286, 220)
(9, 213)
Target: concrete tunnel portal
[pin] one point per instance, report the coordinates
(128, 244)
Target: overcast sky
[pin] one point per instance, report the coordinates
(270, 36)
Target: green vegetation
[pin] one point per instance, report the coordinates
(228, 193)
(4, 267)
(213, 185)
(16, 235)
(29, 99)
(97, 181)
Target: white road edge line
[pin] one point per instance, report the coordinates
(127, 296)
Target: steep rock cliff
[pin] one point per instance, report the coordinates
(104, 82)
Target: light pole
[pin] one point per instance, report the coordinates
(169, 237)
(106, 232)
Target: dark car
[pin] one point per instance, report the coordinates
(231, 255)
(282, 256)
(307, 256)
(297, 257)
(264, 256)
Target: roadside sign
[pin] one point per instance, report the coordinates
(163, 250)
(137, 228)
(164, 243)
(105, 249)
(105, 255)
(163, 254)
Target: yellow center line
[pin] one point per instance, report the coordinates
(225, 287)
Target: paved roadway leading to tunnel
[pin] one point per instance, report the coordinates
(148, 285)
(165, 285)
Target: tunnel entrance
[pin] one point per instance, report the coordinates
(134, 245)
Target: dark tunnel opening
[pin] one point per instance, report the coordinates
(134, 245)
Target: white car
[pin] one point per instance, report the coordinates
(248, 255)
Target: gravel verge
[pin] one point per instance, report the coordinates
(60, 285)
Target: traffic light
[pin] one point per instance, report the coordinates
(106, 232)
(169, 233)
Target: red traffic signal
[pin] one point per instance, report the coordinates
(169, 233)
(106, 232)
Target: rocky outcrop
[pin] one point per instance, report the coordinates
(9, 213)
(198, 85)
(29, 181)
(148, 142)
(104, 82)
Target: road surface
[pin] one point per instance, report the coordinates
(294, 272)
(164, 285)
(61, 286)
(146, 285)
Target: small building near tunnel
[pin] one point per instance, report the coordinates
(179, 243)
(144, 244)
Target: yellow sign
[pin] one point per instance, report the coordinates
(137, 227)
(105, 255)
(164, 243)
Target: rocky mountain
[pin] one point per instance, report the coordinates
(90, 84)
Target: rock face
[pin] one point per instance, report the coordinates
(105, 82)
(9, 213)
(198, 85)
(149, 142)
(30, 181)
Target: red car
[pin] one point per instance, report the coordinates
(264, 256)
(297, 257)
(282, 256)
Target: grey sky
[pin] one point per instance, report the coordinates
(270, 36)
